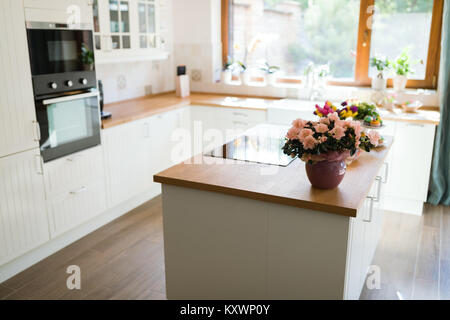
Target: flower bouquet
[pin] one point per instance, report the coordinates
(354, 109)
(325, 145)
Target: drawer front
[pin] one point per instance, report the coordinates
(70, 209)
(243, 115)
(69, 172)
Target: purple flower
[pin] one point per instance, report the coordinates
(354, 108)
(344, 103)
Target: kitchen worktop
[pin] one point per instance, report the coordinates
(139, 108)
(282, 185)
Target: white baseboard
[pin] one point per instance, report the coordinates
(32, 257)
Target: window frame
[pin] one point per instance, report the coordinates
(362, 78)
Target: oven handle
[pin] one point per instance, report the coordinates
(69, 98)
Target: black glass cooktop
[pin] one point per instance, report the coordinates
(254, 148)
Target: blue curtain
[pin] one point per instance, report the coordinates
(440, 171)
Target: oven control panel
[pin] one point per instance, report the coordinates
(63, 82)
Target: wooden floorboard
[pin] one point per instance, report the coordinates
(125, 260)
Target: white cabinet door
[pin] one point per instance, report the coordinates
(127, 160)
(164, 137)
(364, 233)
(18, 127)
(60, 11)
(410, 172)
(23, 216)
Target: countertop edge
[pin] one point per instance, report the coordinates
(302, 204)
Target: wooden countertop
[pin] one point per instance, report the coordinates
(143, 107)
(139, 108)
(287, 186)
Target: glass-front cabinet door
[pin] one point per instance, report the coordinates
(147, 24)
(127, 28)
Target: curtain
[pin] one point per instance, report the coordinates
(440, 171)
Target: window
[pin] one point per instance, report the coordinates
(343, 34)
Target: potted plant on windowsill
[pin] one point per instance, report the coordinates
(244, 73)
(402, 67)
(271, 73)
(227, 72)
(381, 64)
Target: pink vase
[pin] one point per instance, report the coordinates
(326, 174)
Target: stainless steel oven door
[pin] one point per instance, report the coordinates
(68, 124)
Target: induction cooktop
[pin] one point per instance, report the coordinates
(254, 148)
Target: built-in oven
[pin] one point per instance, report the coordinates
(61, 57)
(65, 87)
(68, 123)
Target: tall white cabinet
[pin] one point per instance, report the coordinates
(23, 217)
(18, 127)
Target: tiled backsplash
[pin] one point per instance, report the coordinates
(127, 80)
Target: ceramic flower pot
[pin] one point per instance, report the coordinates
(272, 79)
(226, 76)
(400, 82)
(326, 174)
(379, 84)
(245, 77)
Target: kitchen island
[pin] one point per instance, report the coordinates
(245, 230)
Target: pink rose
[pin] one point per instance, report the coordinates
(322, 139)
(292, 133)
(299, 123)
(374, 137)
(333, 116)
(304, 133)
(321, 128)
(324, 120)
(356, 125)
(309, 142)
(340, 123)
(338, 132)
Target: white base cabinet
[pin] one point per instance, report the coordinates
(409, 166)
(75, 189)
(23, 217)
(137, 150)
(364, 233)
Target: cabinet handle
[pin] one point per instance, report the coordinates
(415, 125)
(240, 122)
(146, 130)
(37, 131)
(386, 172)
(370, 210)
(40, 165)
(82, 189)
(74, 158)
(240, 114)
(379, 180)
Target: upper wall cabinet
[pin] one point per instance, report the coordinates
(128, 30)
(60, 11)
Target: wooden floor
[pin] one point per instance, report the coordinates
(124, 260)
